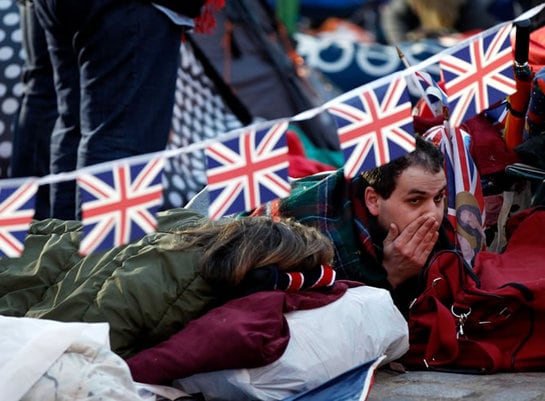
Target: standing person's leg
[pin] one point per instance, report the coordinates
(127, 54)
(38, 110)
(128, 62)
(66, 134)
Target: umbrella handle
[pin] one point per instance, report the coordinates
(518, 102)
(522, 42)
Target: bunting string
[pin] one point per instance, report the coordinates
(305, 115)
(248, 166)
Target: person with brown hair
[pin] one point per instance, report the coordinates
(150, 289)
(407, 20)
(232, 249)
(469, 227)
(437, 17)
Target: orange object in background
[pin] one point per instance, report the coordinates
(518, 101)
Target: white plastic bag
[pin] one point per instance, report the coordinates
(362, 325)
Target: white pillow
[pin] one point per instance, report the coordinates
(324, 342)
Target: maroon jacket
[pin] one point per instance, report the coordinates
(245, 332)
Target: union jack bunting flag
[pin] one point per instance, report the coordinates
(479, 74)
(16, 212)
(247, 171)
(375, 126)
(119, 205)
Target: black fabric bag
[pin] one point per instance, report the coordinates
(253, 53)
(204, 108)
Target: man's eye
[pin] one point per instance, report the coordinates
(414, 201)
(439, 198)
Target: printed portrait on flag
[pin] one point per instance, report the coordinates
(464, 189)
(469, 225)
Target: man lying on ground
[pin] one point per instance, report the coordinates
(385, 224)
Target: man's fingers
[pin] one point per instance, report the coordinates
(429, 226)
(416, 226)
(424, 247)
(393, 233)
(416, 231)
(418, 246)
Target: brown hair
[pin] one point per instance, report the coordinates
(437, 15)
(231, 248)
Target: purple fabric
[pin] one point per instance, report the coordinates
(243, 333)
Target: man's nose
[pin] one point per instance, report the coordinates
(432, 208)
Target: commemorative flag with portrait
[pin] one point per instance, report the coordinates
(479, 74)
(464, 189)
(17, 203)
(119, 204)
(374, 126)
(460, 168)
(247, 171)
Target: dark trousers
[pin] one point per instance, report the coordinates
(115, 65)
(38, 109)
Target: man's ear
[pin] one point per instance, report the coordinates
(372, 200)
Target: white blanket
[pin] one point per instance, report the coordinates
(52, 361)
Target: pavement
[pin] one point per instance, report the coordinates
(437, 386)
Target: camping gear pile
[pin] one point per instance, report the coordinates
(164, 323)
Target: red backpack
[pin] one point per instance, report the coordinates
(486, 318)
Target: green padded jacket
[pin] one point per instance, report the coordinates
(145, 290)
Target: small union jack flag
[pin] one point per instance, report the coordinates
(497, 114)
(375, 126)
(479, 74)
(248, 171)
(436, 98)
(16, 212)
(119, 205)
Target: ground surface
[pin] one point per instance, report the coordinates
(435, 386)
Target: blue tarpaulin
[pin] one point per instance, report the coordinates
(352, 385)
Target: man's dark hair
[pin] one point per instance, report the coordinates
(384, 178)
